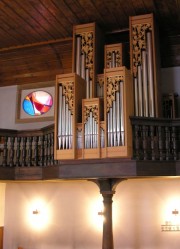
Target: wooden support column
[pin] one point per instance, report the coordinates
(1, 237)
(107, 240)
(107, 189)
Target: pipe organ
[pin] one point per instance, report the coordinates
(93, 104)
(144, 65)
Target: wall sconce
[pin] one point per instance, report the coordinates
(100, 213)
(36, 211)
(172, 225)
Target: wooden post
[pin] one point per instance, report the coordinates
(107, 240)
(107, 189)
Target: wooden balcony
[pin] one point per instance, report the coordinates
(29, 155)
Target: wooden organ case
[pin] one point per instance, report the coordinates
(145, 65)
(93, 104)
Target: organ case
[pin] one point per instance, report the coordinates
(119, 106)
(92, 110)
(88, 54)
(70, 90)
(114, 55)
(145, 65)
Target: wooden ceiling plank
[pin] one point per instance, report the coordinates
(92, 11)
(108, 18)
(6, 38)
(78, 10)
(19, 23)
(36, 18)
(149, 5)
(65, 11)
(138, 6)
(62, 21)
(44, 18)
(113, 9)
(28, 21)
(128, 9)
(62, 41)
(34, 51)
(9, 18)
(11, 32)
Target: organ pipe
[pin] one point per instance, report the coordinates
(113, 59)
(145, 83)
(91, 132)
(83, 63)
(140, 100)
(136, 97)
(150, 75)
(87, 84)
(122, 113)
(60, 118)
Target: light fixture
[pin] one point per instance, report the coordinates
(36, 211)
(100, 213)
(173, 224)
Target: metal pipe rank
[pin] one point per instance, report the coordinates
(115, 120)
(91, 132)
(150, 75)
(144, 82)
(65, 123)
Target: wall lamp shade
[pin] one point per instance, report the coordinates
(172, 225)
(36, 212)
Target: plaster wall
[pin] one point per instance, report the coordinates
(140, 207)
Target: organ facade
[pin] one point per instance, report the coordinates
(94, 103)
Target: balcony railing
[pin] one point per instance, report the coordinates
(156, 139)
(27, 148)
(153, 139)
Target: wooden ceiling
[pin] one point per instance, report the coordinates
(36, 36)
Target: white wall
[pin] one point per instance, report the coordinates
(2, 203)
(140, 207)
(8, 111)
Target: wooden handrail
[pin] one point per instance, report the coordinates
(155, 138)
(27, 147)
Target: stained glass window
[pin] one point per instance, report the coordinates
(37, 103)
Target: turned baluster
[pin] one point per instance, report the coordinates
(152, 142)
(52, 148)
(24, 140)
(41, 156)
(11, 152)
(174, 142)
(36, 139)
(145, 137)
(137, 147)
(48, 149)
(160, 143)
(29, 151)
(167, 142)
(5, 152)
(45, 150)
(18, 151)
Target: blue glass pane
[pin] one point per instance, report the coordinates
(28, 107)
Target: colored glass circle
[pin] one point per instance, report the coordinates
(37, 103)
